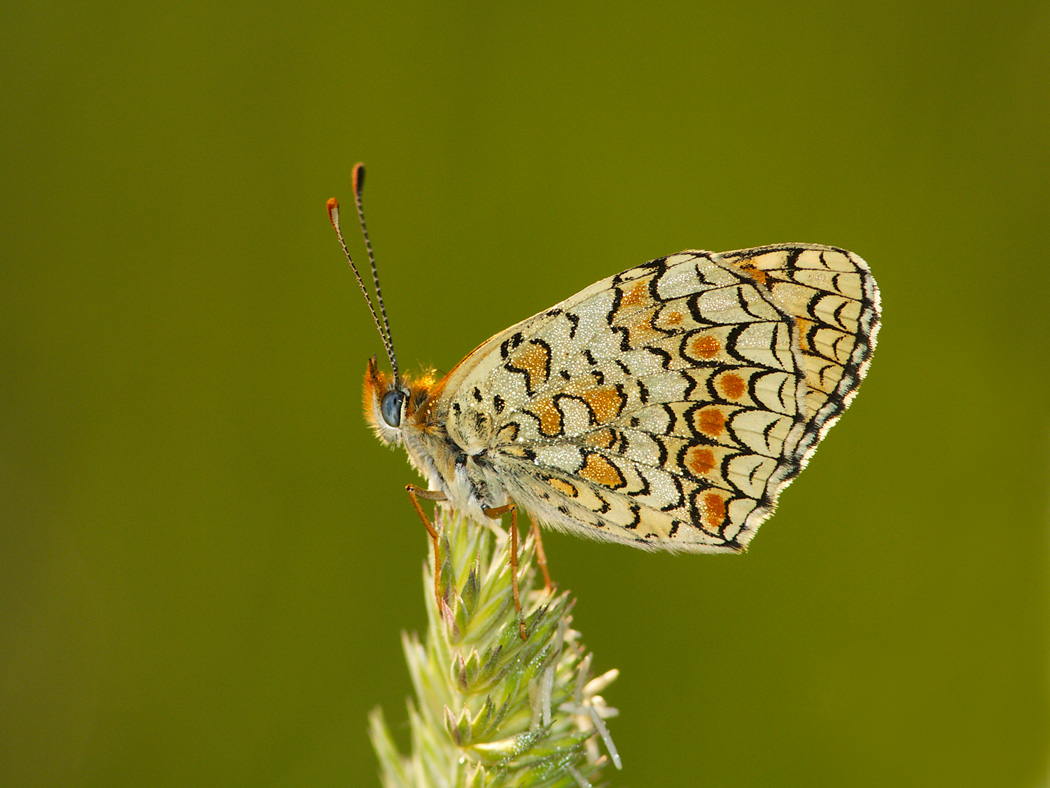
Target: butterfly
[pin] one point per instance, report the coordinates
(665, 407)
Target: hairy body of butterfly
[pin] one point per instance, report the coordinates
(666, 407)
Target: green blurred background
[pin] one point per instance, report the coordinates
(206, 559)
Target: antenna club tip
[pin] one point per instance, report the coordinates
(359, 177)
(333, 211)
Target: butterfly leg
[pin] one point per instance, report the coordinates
(414, 494)
(541, 557)
(496, 514)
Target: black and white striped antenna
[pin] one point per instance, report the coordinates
(384, 324)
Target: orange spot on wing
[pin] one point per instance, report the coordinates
(605, 401)
(752, 270)
(673, 318)
(563, 487)
(699, 460)
(705, 346)
(549, 416)
(636, 295)
(599, 470)
(732, 385)
(714, 510)
(803, 333)
(710, 421)
(534, 360)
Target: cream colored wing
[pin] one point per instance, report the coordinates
(668, 406)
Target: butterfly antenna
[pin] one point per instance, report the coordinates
(359, 185)
(333, 215)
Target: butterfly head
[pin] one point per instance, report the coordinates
(393, 405)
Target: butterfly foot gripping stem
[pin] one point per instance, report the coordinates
(414, 494)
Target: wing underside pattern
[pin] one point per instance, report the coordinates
(669, 405)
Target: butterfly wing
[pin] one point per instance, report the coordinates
(669, 405)
(835, 302)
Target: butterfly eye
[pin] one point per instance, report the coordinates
(391, 407)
